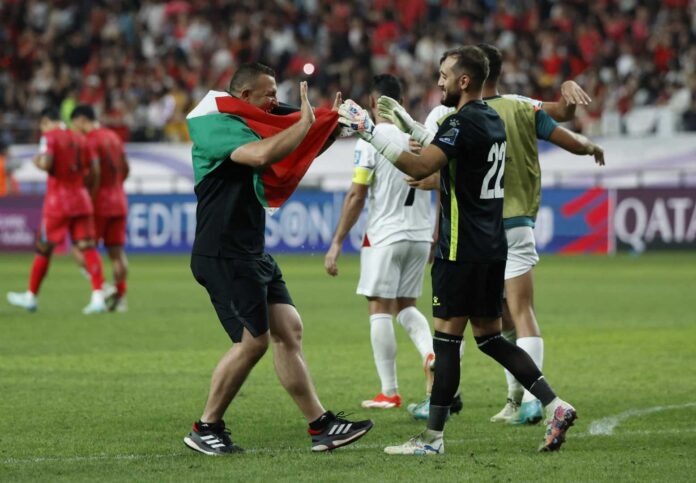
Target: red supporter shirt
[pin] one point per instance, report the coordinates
(66, 194)
(106, 146)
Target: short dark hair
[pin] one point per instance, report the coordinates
(83, 110)
(248, 73)
(51, 113)
(387, 85)
(470, 60)
(495, 61)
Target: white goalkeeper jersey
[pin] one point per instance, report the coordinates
(396, 212)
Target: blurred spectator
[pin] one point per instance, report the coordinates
(143, 63)
(8, 185)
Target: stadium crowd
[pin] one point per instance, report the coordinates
(143, 64)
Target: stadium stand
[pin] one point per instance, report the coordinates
(143, 63)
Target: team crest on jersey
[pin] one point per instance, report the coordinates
(356, 157)
(450, 136)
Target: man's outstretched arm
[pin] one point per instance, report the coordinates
(576, 144)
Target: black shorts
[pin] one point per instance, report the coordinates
(241, 290)
(467, 289)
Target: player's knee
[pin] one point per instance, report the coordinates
(291, 335)
(85, 244)
(43, 248)
(256, 347)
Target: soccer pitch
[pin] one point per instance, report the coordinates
(110, 397)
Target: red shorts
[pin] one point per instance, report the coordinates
(111, 229)
(53, 228)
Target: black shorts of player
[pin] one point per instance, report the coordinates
(467, 289)
(241, 290)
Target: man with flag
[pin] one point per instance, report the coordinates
(246, 159)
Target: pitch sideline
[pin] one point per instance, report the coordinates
(129, 457)
(606, 426)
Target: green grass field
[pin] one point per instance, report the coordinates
(110, 397)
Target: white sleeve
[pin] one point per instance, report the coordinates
(364, 161)
(438, 112)
(365, 155)
(535, 102)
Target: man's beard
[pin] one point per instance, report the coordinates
(449, 99)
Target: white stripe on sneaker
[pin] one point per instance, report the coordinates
(210, 436)
(347, 428)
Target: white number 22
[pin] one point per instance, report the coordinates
(496, 156)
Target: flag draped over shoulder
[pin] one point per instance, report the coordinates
(220, 123)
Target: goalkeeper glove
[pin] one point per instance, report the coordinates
(356, 118)
(390, 109)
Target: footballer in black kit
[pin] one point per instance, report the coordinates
(468, 275)
(468, 272)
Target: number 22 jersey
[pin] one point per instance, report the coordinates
(472, 185)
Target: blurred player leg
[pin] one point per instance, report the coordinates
(82, 232)
(119, 264)
(112, 230)
(52, 232)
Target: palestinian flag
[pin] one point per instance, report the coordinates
(221, 123)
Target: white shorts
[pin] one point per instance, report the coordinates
(522, 254)
(394, 270)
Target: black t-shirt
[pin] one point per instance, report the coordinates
(231, 222)
(471, 185)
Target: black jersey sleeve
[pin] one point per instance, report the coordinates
(450, 138)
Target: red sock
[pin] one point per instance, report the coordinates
(94, 267)
(38, 271)
(121, 288)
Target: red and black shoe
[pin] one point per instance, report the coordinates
(211, 439)
(338, 432)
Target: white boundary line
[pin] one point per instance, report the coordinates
(606, 426)
(357, 447)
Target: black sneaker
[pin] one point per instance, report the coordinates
(211, 439)
(338, 432)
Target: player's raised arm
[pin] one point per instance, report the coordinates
(576, 144)
(265, 152)
(420, 166)
(572, 95)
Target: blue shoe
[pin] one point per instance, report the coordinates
(530, 412)
(420, 410)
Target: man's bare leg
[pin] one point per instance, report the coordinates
(290, 366)
(231, 372)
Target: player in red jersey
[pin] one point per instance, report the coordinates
(110, 204)
(64, 155)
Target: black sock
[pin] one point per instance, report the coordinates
(446, 383)
(321, 422)
(518, 362)
(216, 427)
